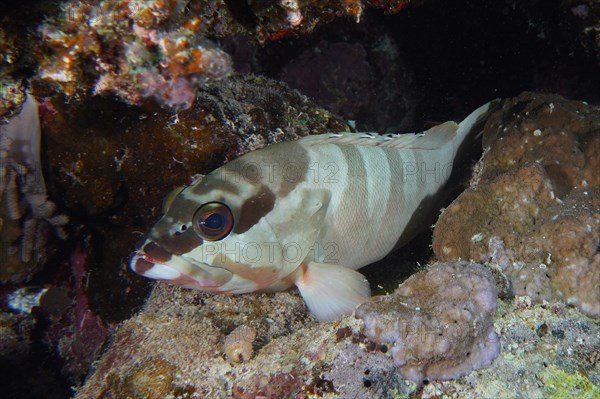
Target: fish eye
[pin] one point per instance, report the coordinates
(213, 221)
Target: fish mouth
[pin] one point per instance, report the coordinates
(153, 261)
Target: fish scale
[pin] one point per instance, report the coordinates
(306, 213)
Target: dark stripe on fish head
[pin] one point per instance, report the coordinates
(174, 232)
(253, 209)
(180, 243)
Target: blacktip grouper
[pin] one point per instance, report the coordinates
(306, 213)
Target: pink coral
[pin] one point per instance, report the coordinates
(440, 321)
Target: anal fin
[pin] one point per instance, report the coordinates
(331, 291)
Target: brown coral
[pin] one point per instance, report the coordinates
(535, 207)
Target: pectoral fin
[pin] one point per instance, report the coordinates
(331, 291)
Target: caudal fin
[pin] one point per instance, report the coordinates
(474, 122)
(331, 291)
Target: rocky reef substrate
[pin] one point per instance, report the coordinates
(517, 338)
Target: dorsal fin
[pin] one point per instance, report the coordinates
(432, 139)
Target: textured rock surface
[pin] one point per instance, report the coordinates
(439, 322)
(534, 205)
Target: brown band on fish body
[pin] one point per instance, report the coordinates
(296, 160)
(354, 194)
(254, 209)
(397, 187)
(262, 276)
(356, 175)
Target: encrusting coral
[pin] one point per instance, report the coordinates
(138, 49)
(439, 321)
(165, 49)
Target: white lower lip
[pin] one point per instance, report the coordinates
(161, 272)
